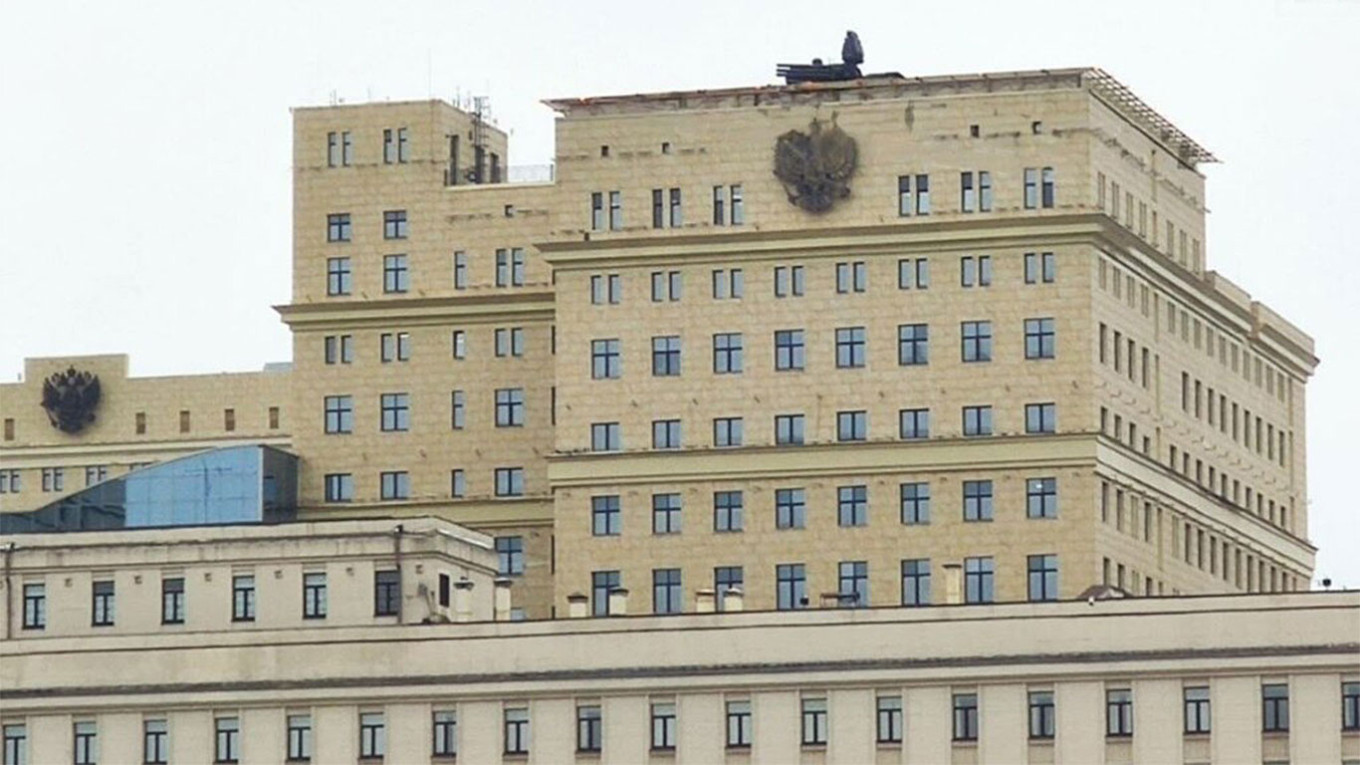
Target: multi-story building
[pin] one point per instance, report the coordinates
(970, 322)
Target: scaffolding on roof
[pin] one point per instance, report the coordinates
(1123, 98)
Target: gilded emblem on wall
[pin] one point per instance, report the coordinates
(815, 167)
(70, 398)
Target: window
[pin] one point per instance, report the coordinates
(155, 747)
(852, 426)
(666, 286)
(666, 592)
(396, 275)
(788, 350)
(916, 582)
(615, 211)
(510, 555)
(738, 205)
(339, 278)
(727, 356)
(387, 592)
(814, 722)
(172, 600)
(1048, 192)
(852, 505)
(727, 511)
(738, 724)
(601, 584)
(86, 742)
(314, 595)
(396, 412)
(606, 519)
(788, 429)
(299, 737)
(1041, 418)
(509, 342)
(1350, 706)
(665, 513)
(35, 606)
(372, 736)
(11, 482)
(1039, 339)
(517, 730)
(597, 211)
(977, 340)
(977, 500)
(509, 482)
(728, 284)
(395, 484)
(965, 717)
(850, 347)
(459, 344)
(509, 407)
(460, 270)
(915, 503)
(1043, 577)
(790, 509)
(243, 598)
(975, 273)
(719, 204)
(1040, 267)
(677, 213)
(788, 281)
(790, 586)
(227, 744)
(457, 410)
(978, 574)
(605, 360)
(1197, 719)
(605, 437)
(606, 289)
(445, 734)
(337, 227)
(665, 434)
(54, 479)
(913, 423)
(663, 727)
(1041, 715)
(1274, 707)
(339, 349)
(1031, 188)
(967, 194)
(853, 584)
(977, 420)
(852, 277)
(403, 145)
(913, 344)
(726, 578)
(1042, 497)
(1119, 712)
(394, 224)
(984, 191)
(913, 273)
(666, 356)
(589, 729)
(658, 209)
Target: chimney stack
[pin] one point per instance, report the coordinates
(732, 599)
(578, 606)
(618, 601)
(704, 601)
(953, 583)
(462, 600)
(501, 600)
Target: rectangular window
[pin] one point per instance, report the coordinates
(1043, 577)
(1197, 710)
(509, 407)
(852, 426)
(589, 729)
(517, 731)
(719, 205)
(663, 727)
(155, 743)
(615, 211)
(601, 584)
(460, 270)
(459, 344)
(984, 191)
(738, 725)
(1048, 191)
(396, 274)
(1040, 339)
(1042, 719)
(666, 356)
(666, 591)
(851, 351)
(1040, 268)
(396, 412)
(666, 286)
(458, 410)
(1274, 706)
(35, 606)
(913, 344)
(445, 734)
(790, 586)
(597, 211)
(299, 737)
(852, 505)
(922, 194)
(1119, 712)
(339, 277)
(665, 513)
(510, 554)
(853, 584)
(1350, 706)
(1031, 188)
(727, 353)
(738, 216)
(904, 198)
(852, 277)
(1041, 498)
(227, 739)
(243, 598)
(509, 482)
(387, 592)
(102, 604)
(967, 194)
(788, 429)
(788, 350)
(394, 224)
(889, 720)
(338, 227)
(965, 717)
(790, 509)
(728, 283)
(977, 420)
(676, 213)
(814, 722)
(913, 424)
(977, 500)
(788, 281)
(658, 209)
(86, 741)
(915, 498)
(728, 511)
(372, 736)
(666, 434)
(172, 600)
(605, 437)
(978, 574)
(605, 359)
(976, 340)
(394, 484)
(913, 273)
(916, 582)
(1041, 418)
(606, 517)
(728, 431)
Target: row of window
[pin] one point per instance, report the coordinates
(386, 599)
(396, 147)
(814, 725)
(508, 342)
(185, 421)
(1039, 190)
(1230, 491)
(852, 506)
(396, 484)
(54, 479)
(1254, 434)
(728, 208)
(1124, 206)
(511, 264)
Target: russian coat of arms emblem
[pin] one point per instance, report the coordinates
(70, 398)
(815, 167)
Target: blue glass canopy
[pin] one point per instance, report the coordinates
(232, 485)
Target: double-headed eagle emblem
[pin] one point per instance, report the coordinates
(815, 167)
(70, 398)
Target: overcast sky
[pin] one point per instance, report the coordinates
(145, 146)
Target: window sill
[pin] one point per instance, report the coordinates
(1275, 734)
(889, 745)
(965, 743)
(821, 747)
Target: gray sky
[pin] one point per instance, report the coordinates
(144, 175)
